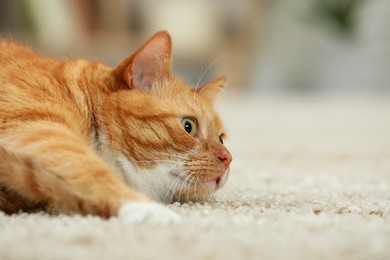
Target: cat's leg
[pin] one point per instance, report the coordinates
(47, 162)
(11, 202)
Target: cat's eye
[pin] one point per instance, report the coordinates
(189, 125)
(221, 139)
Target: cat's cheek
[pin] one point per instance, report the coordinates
(147, 212)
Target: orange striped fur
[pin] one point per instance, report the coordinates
(84, 137)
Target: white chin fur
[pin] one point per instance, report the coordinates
(159, 182)
(154, 182)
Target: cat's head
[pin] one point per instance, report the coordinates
(164, 137)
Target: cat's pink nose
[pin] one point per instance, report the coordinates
(226, 158)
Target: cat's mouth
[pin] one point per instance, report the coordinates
(212, 185)
(216, 183)
(206, 185)
(196, 187)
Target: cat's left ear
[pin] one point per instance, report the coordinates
(213, 89)
(150, 64)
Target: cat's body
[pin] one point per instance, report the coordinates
(84, 137)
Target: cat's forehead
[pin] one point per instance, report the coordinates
(204, 112)
(187, 102)
(210, 123)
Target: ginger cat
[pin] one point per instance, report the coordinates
(83, 137)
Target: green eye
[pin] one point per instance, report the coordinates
(220, 139)
(189, 125)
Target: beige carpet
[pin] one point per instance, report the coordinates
(309, 180)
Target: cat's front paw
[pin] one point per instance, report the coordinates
(147, 212)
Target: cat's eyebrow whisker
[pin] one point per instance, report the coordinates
(199, 77)
(200, 73)
(209, 67)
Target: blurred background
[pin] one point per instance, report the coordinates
(271, 47)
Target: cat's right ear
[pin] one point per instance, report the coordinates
(212, 90)
(149, 65)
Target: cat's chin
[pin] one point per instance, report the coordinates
(208, 185)
(198, 192)
(205, 188)
(211, 185)
(215, 184)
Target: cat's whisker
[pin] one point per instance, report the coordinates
(178, 178)
(175, 189)
(170, 192)
(200, 75)
(183, 185)
(209, 67)
(173, 185)
(189, 186)
(195, 178)
(196, 183)
(180, 190)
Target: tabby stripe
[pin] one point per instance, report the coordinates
(30, 178)
(36, 116)
(45, 134)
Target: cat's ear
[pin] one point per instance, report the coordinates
(150, 64)
(213, 89)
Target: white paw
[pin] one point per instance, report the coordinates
(146, 212)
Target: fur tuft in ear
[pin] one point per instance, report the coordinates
(150, 64)
(213, 89)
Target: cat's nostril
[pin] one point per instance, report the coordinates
(226, 158)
